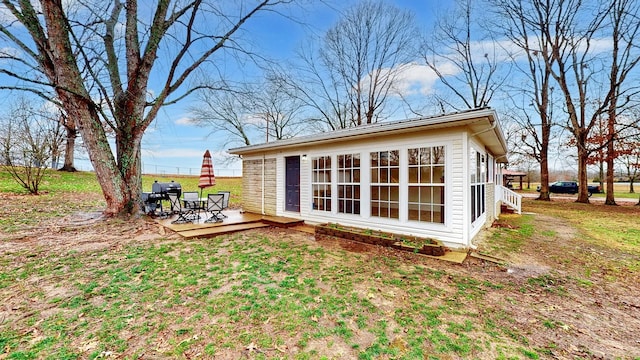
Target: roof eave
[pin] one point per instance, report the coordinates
(398, 127)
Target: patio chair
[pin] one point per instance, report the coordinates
(184, 215)
(225, 202)
(192, 204)
(214, 207)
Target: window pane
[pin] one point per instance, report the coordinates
(413, 175)
(438, 195)
(356, 175)
(438, 155)
(375, 193)
(394, 193)
(414, 212)
(384, 193)
(394, 159)
(438, 174)
(425, 195)
(438, 214)
(425, 156)
(384, 158)
(395, 176)
(425, 175)
(414, 194)
(413, 156)
(384, 175)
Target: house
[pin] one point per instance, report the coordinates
(436, 177)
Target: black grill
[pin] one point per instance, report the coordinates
(152, 201)
(166, 188)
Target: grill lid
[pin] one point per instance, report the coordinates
(166, 187)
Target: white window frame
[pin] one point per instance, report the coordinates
(349, 177)
(425, 172)
(321, 200)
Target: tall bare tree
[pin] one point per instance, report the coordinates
(532, 58)
(27, 142)
(275, 103)
(137, 58)
(225, 113)
(624, 28)
(465, 58)
(573, 32)
(575, 65)
(358, 62)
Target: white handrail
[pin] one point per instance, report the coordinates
(510, 198)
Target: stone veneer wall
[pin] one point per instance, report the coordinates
(252, 186)
(490, 203)
(270, 184)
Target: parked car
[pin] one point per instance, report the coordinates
(570, 187)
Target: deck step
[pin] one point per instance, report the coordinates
(221, 230)
(282, 221)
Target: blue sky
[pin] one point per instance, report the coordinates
(172, 144)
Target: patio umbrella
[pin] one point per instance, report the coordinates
(207, 178)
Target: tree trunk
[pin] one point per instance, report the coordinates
(544, 150)
(611, 153)
(544, 177)
(583, 193)
(610, 200)
(99, 150)
(69, 148)
(130, 166)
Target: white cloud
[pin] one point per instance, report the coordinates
(417, 79)
(185, 121)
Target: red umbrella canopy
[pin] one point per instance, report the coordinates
(207, 178)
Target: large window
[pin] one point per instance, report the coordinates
(478, 172)
(349, 184)
(321, 183)
(385, 174)
(426, 184)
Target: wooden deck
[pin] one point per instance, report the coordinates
(235, 221)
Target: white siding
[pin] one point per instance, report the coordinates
(458, 191)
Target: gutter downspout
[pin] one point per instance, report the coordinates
(263, 165)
